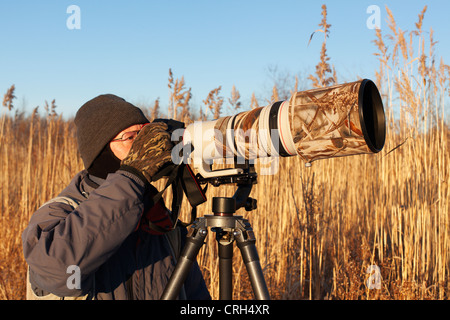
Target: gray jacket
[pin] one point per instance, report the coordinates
(115, 259)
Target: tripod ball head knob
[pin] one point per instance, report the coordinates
(251, 204)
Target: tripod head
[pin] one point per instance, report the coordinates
(242, 173)
(244, 179)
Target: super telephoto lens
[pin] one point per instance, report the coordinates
(342, 120)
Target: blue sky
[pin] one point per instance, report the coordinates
(127, 47)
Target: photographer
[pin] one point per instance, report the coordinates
(100, 224)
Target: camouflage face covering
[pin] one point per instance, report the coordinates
(150, 150)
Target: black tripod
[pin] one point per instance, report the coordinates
(228, 228)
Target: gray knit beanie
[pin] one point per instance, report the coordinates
(99, 120)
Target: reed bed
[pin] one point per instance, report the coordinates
(318, 228)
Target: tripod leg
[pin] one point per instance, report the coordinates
(194, 242)
(246, 244)
(225, 266)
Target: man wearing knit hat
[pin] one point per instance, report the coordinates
(94, 240)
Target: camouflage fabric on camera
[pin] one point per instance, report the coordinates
(337, 121)
(150, 151)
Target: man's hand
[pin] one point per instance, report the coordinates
(150, 150)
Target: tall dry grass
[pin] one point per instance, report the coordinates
(318, 229)
(33, 168)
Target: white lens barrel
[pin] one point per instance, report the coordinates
(337, 121)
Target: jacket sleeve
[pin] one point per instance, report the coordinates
(59, 237)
